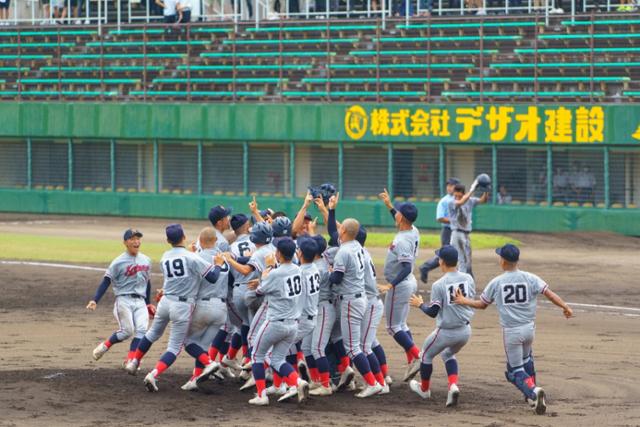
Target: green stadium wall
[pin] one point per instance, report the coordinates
(293, 123)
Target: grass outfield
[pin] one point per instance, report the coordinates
(14, 246)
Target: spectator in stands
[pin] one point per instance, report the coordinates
(4, 12)
(184, 11)
(585, 184)
(321, 6)
(626, 6)
(59, 10)
(560, 185)
(46, 13)
(75, 10)
(504, 198)
(240, 11)
(574, 176)
(477, 5)
(168, 10)
(541, 185)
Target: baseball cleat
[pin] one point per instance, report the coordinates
(539, 404)
(277, 391)
(412, 370)
(303, 390)
(385, 389)
(452, 395)
(247, 366)
(292, 391)
(346, 378)
(190, 385)
(314, 385)
(99, 351)
(225, 372)
(150, 382)
(416, 387)
(370, 390)
(303, 370)
(260, 400)
(248, 384)
(424, 274)
(245, 375)
(209, 370)
(321, 391)
(231, 363)
(132, 367)
(388, 379)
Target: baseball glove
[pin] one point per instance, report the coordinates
(152, 310)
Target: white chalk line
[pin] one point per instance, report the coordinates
(84, 267)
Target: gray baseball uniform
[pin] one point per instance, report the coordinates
(461, 218)
(210, 313)
(396, 302)
(182, 271)
(515, 294)
(351, 297)
(251, 299)
(282, 289)
(221, 243)
(129, 277)
(242, 247)
(452, 322)
(326, 318)
(374, 308)
(309, 300)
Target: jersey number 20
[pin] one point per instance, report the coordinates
(515, 294)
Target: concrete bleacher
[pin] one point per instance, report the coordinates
(439, 59)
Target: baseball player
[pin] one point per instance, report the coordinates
(452, 324)
(348, 280)
(460, 218)
(515, 293)
(219, 217)
(282, 287)
(398, 272)
(182, 271)
(210, 312)
(238, 317)
(442, 216)
(129, 274)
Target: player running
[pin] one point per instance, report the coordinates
(460, 219)
(515, 293)
(398, 271)
(452, 324)
(129, 274)
(182, 271)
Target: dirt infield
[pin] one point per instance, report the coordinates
(588, 365)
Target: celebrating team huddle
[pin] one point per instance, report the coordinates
(302, 310)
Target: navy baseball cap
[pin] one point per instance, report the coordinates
(453, 181)
(308, 247)
(361, 237)
(238, 220)
(509, 252)
(321, 242)
(287, 247)
(218, 212)
(175, 233)
(308, 217)
(408, 210)
(131, 232)
(448, 254)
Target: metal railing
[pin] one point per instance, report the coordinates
(159, 51)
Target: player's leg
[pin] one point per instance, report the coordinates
(123, 312)
(207, 319)
(258, 319)
(319, 340)
(351, 316)
(432, 346)
(456, 339)
(527, 352)
(241, 309)
(159, 324)
(467, 253)
(265, 337)
(396, 306)
(513, 344)
(458, 241)
(373, 314)
(296, 386)
(140, 324)
(310, 361)
(305, 329)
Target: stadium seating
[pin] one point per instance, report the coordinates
(496, 58)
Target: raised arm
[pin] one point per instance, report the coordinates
(298, 221)
(386, 199)
(243, 269)
(255, 211)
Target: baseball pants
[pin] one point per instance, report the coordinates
(372, 316)
(132, 316)
(460, 240)
(257, 321)
(239, 304)
(351, 310)
(518, 342)
(274, 337)
(207, 319)
(445, 342)
(325, 321)
(234, 320)
(306, 326)
(171, 309)
(396, 305)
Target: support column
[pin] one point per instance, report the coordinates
(199, 167)
(494, 174)
(70, 165)
(607, 188)
(549, 175)
(390, 170)
(29, 164)
(112, 164)
(245, 168)
(156, 167)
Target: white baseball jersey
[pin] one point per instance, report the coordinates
(282, 289)
(182, 272)
(129, 275)
(350, 261)
(403, 249)
(443, 291)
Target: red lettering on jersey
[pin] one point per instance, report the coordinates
(392, 247)
(134, 269)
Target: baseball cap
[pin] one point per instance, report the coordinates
(308, 247)
(218, 212)
(509, 252)
(287, 247)
(238, 220)
(408, 210)
(453, 181)
(321, 242)
(448, 254)
(308, 217)
(175, 233)
(131, 232)
(361, 237)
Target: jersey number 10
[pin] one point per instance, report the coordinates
(294, 286)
